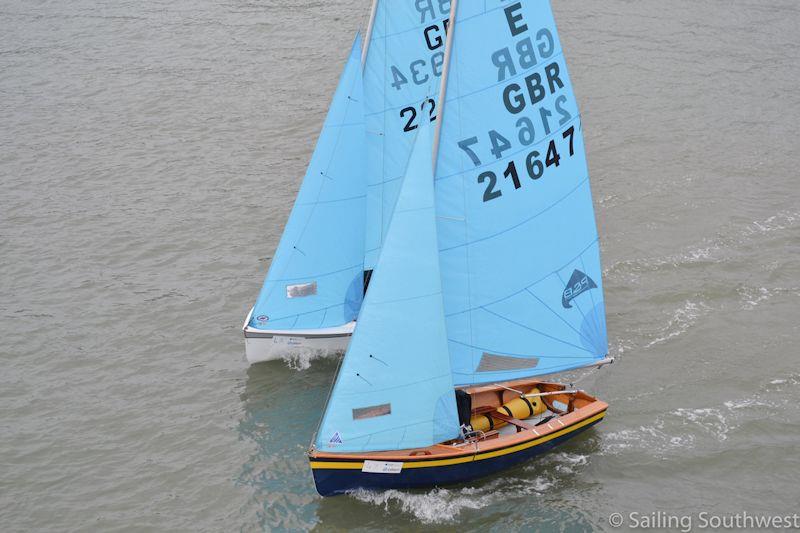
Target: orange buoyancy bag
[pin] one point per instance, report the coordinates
(519, 408)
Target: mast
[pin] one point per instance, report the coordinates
(443, 90)
(368, 36)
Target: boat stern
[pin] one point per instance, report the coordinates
(263, 345)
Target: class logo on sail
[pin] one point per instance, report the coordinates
(578, 284)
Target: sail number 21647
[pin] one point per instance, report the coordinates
(535, 163)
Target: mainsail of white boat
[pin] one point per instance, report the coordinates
(314, 287)
(402, 71)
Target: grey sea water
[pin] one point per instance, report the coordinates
(150, 152)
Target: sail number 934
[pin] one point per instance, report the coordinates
(535, 167)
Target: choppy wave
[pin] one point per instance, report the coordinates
(683, 428)
(709, 250)
(682, 319)
(303, 358)
(438, 506)
(446, 506)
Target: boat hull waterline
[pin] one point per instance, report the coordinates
(271, 345)
(413, 469)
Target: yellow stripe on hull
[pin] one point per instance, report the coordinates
(464, 459)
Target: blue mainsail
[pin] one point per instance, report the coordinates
(519, 249)
(402, 70)
(316, 276)
(394, 389)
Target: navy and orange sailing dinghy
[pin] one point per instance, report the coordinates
(488, 278)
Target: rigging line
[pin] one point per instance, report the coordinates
(442, 97)
(528, 286)
(521, 223)
(368, 37)
(395, 428)
(400, 386)
(365, 379)
(298, 315)
(385, 181)
(525, 356)
(322, 275)
(330, 393)
(323, 202)
(408, 298)
(494, 375)
(378, 359)
(564, 320)
(543, 334)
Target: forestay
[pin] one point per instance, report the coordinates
(518, 243)
(394, 389)
(315, 279)
(402, 71)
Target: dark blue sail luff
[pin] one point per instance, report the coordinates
(518, 242)
(315, 279)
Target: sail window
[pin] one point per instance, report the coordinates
(495, 363)
(299, 291)
(372, 411)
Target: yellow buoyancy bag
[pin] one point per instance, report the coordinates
(519, 408)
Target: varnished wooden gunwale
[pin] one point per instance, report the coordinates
(440, 454)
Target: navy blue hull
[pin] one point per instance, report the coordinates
(332, 481)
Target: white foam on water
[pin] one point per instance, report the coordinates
(652, 438)
(708, 419)
(718, 422)
(568, 463)
(438, 506)
(302, 358)
(708, 250)
(681, 321)
(780, 221)
(444, 506)
(751, 297)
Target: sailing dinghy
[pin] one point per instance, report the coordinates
(488, 279)
(323, 264)
(314, 287)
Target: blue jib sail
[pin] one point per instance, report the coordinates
(316, 276)
(394, 389)
(519, 248)
(403, 69)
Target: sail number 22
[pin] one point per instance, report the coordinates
(534, 165)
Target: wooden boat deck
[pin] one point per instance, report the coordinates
(585, 410)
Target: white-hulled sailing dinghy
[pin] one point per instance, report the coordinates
(489, 278)
(316, 281)
(314, 286)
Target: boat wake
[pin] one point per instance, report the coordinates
(682, 319)
(708, 251)
(445, 506)
(438, 506)
(684, 427)
(302, 359)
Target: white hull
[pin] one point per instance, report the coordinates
(268, 345)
